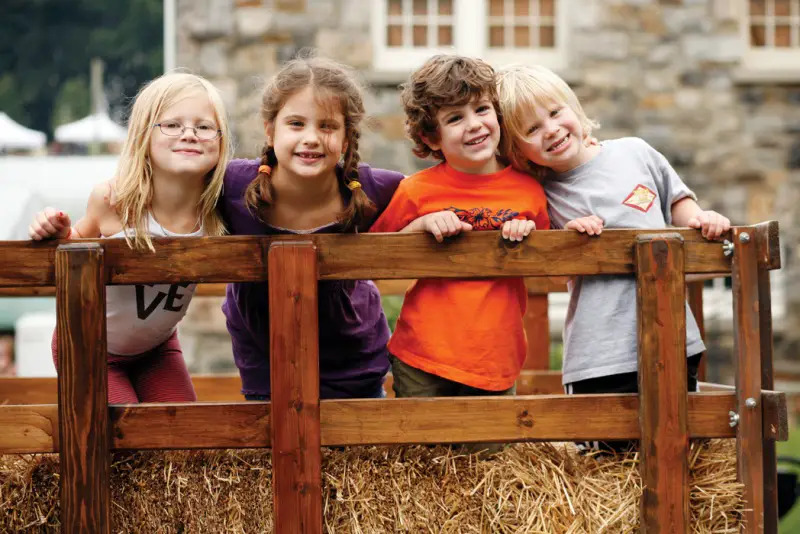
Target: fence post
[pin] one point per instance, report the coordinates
(83, 424)
(747, 348)
(294, 378)
(661, 303)
(770, 462)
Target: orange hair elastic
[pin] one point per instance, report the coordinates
(266, 169)
(353, 185)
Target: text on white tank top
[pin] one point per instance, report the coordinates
(142, 316)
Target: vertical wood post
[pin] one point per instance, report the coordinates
(83, 424)
(694, 292)
(294, 378)
(770, 463)
(660, 298)
(537, 329)
(747, 348)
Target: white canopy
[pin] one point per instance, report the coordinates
(16, 136)
(97, 128)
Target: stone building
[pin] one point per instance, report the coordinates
(713, 84)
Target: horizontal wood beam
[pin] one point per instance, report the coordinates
(367, 256)
(34, 428)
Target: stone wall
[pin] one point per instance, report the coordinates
(668, 72)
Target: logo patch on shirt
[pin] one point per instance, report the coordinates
(484, 218)
(641, 198)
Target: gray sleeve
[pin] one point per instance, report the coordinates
(670, 186)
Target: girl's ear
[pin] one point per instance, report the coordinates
(433, 145)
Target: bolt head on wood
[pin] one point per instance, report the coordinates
(750, 402)
(744, 237)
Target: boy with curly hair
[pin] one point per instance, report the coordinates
(460, 337)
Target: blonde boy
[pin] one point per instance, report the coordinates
(620, 183)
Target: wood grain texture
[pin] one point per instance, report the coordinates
(537, 332)
(31, 429)
(83, 389)
(660, 296)
(294, 379)
(769, 454)
(747, 350)
(363, 256)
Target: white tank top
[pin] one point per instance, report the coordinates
(143, 316)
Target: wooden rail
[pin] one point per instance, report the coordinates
(296, 423)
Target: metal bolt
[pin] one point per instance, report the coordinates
(744, 237)
(727, 248)
(734, 419)
(750, 402)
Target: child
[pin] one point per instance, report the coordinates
(309, 180)
(460, 337)
(167, 184)
(621, 183)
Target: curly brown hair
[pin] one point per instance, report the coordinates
(338, 84)
(444, 80)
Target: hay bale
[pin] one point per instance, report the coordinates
(537, 487)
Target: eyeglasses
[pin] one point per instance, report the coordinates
(204, 132)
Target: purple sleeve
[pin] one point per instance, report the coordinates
(380, 185)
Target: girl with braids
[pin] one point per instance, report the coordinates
(167, 184)
(309, 180)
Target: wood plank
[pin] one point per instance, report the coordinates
(294, 379)
(537, 332)
(31, 429)
(660, 299)
(83, 389)
(769, 454)
(694, 292)
(362, 256)
(44, 390)
(747, 348)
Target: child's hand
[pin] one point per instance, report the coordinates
(50, 223)
(592, 225)
(443, 224)
(516, 229)
(710, 223)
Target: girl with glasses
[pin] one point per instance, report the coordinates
(167, 184)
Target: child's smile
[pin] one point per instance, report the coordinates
(468, 136)
(553, 138)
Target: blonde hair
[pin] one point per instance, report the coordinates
(333, 84)
(133, 185)
(520, 88)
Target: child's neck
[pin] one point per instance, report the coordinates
(176, 200)
(304, 202)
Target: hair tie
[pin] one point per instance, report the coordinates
(353, 185)
(266, 169)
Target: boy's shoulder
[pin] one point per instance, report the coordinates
(628, 145)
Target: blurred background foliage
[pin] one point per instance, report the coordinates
(46, 47)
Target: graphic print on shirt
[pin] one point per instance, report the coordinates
(144, 310)
(484, 218)
(641, 198)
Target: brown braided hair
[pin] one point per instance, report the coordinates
(339, 84)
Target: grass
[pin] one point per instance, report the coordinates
(790, 523)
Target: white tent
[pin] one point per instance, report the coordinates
(16, 136)
(97, 128)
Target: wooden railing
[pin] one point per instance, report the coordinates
(83, 429)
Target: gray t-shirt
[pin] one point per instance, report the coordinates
(628, 184)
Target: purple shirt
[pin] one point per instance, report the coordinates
(352, 327)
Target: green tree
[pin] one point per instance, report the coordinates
(46, 43)
(72, 102)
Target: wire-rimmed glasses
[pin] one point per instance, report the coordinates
(203, 131)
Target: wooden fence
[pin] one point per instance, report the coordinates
(82, 428)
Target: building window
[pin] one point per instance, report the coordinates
(407, 32)
(772, 32)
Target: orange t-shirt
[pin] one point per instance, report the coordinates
(468, 331)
